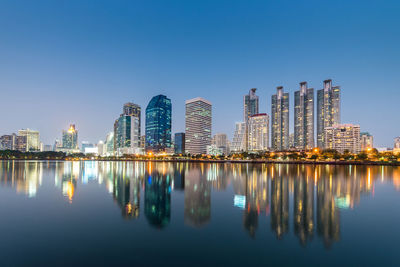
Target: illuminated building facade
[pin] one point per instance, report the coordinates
(158, 124)
(70, 138)
(367, 141)
(304, 117)
(328, 110)
(7, 142)
(126, 135)
(198, 125)
(397, 143)
(280, 120)
(32, 139)
(342, 137)
(220, 140)
(258, 133)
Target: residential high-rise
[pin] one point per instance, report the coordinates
(158, 124)
(239, 137)
(179, 144)
(220, 140)
(32, 139)
(21, 143)
(250, 107)
(280, 120)
(70, 138)
(343, 137)
(304, 117)
(198, 125)
(367, 141)
(7, 142)
(328, 110)
(258, 132)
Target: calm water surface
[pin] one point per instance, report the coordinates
(188, 214)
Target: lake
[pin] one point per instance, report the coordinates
(198, 214)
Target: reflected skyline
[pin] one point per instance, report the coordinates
(301, 200)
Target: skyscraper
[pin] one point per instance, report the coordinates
(126, 135)
(258, 132)
(32, 139)
(328, 110)
(198, 125)
(280, 120)
(131, 109)
(304, 117)
(250, 107)
(179, 143)
(158, 124)
(70, 138)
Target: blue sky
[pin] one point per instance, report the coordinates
(79, 61)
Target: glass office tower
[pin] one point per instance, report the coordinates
(158, 124)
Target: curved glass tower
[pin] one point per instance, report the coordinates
(158, 124)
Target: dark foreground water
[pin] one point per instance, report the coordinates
(186, 214)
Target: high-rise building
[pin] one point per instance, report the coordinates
(304, 117)
(198, 125)
(70, 138)
(280, 120)
(127, 130)
(21, 143)
(158, 124)
(397, 142)
(131, 109)
(220, 140)
(250, 107)
(328, 110)
(179, 144)
(7, 142)
(239, 137)
(126, 135)
(32, 139)
(342, 137)
(109, 144)
(367, 141)
(258, 133)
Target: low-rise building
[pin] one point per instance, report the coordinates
(342, 137)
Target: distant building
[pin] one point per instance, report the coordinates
(239, 138)
(47, 148)
(342, 137)
(7, 142)
(70, 138)
(367, 141)
(213, 150)
(250, 107)
(179, 143)
(127, 130)
(86, 144)
(57, 145)
(32, 139)
(220, 140)
(396, 142)
(21, 143)
(291, 140)
(304, 117)
(158, 124)
(328, 110)
(280, 120)
(109, 144)
(258, 133)
(198, 125)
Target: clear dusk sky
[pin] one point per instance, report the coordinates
(79, 61)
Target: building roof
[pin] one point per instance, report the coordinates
(198, 99)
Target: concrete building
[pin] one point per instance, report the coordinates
(328, 110)
(258, 132)
(239, 138)
(367, 141)
(304, 117)
(32, 139)
(280, 120)
(7, 142)
(343, 137)
(396, 142)
(220, 140)
(198, 125)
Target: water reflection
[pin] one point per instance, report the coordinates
(305, 198)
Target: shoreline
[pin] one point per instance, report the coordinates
(300, 162)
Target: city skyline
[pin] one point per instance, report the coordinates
(79, 70)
